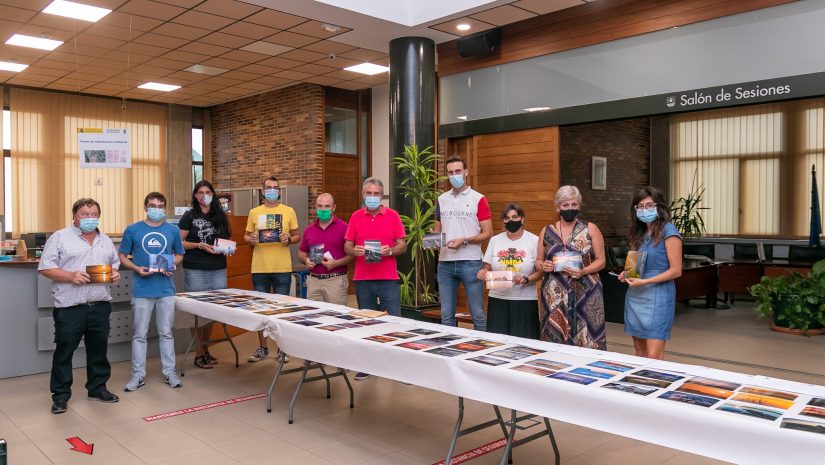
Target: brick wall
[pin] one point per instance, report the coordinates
(626, 145)
(278, 133)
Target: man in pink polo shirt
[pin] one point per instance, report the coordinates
(375, 236)
(322, 251)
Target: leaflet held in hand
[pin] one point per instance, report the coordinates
(317, 253)
(634, 264)
(434, 241)
(567, 260)
(225, 246)
(499, 279)
(269, 227)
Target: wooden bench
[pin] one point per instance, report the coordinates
(435, 315)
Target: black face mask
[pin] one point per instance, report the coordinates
(569, 215)
(513, 225)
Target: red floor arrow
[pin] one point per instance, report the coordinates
(80, 446)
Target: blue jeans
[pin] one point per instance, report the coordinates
(450, 274)
(203, 280)
(275, 283)
(164, 318)
(379, 294)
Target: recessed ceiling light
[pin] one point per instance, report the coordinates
(462, 27)
(14, 67)
(158, 86)
(537, 109)
(368, 69)
(331, 28)
(76, 10)
(34, 42)
(204, 69)
(267, 48)
(462, 118)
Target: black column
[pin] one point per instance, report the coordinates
(412, 110)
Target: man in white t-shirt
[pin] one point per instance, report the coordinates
(463, 215)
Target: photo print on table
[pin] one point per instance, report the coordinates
(817, 412)
(769, 392)
(422, 331)
(763, 413)
(803, 425)
(485, 360)
(346, 316)
(548, 364)
(445, 352)
(573, 378)
(534, 370)
(369, 322)
(645, 381)
(817, 402)
(686, 398)
(415, 345)
(727, 385)
(401, 335)
(594, 373)
(662, 376)
(331, 327)
(704, 390)
(380, 338)
(307, 323)
(766, 401)
(612, 366)
(631, 388)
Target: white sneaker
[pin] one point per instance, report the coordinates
(134, 384)
(173, 380)
(259, 355)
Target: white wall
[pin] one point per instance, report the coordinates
(381, 135)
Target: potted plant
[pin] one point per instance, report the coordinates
(685, 212)
(419, 186)
(796, 303)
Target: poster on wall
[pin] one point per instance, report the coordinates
(103, 148)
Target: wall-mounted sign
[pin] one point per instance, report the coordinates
(103, 148)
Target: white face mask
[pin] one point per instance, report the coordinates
(207, 200)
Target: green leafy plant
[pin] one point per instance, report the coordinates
(793, 301)
(420, 186)
(686, 212)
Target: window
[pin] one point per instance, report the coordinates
(197, 155)
(754, 164)
(341, 130)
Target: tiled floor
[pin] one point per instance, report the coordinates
(392, 424)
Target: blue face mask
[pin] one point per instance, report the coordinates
(156, 214)
(647, 216)
(88, 224)
(457, 181)
(271, 195)
(372, 202)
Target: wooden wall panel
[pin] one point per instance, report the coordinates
(593, 23)
(341, 179)
(517, 166)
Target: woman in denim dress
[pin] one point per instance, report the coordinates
(651, 299)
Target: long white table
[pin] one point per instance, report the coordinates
(700, 430)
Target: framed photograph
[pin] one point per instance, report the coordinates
(598, 173)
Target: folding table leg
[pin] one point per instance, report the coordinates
(326, 378)
(274, 380)
(231, 343)
(189, 349)
(456, 431)
(552, 440)
(298, 389)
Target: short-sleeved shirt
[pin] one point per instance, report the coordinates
(201, 229)
(69, 251)
(332, 238)
(519, 256)
(141, 240)
(384, 226)
(461, 216)
(271, 257)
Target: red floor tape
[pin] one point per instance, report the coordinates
(198, 408)
(474, 453)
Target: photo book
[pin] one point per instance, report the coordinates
(499, 279)
(160, 262)
(434, 241)
(372, 251)
(567, 260)
(316, 253)
(634, 264)
(269, 227)
(225, 246)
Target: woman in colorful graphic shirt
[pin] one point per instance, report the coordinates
(571, 254)
(512, 308)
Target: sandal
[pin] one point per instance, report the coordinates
(210, 359)
(202, 362)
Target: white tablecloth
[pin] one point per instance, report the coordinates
(705, 431)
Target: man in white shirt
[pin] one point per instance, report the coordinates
(463, 215)
(81, 308)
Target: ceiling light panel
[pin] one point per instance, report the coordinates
(369, 69)
(33, 42)
(158, 86)
(13, 67)
(76, 11)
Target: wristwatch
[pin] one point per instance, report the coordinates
(466, 241)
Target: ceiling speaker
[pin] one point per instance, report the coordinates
(479, 45)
